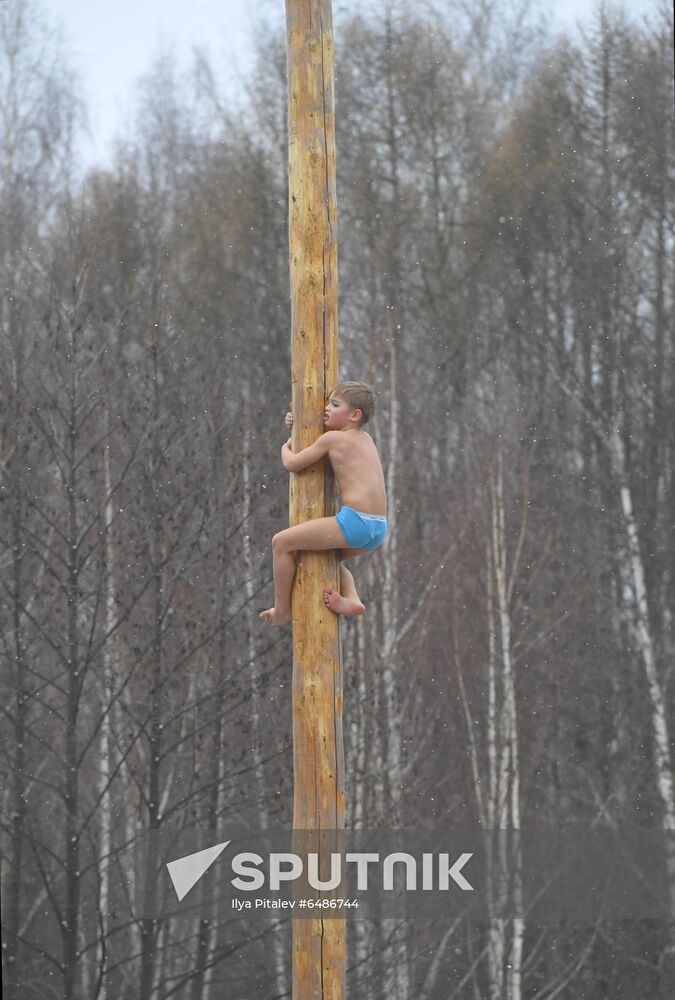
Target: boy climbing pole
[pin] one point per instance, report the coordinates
(359, 526)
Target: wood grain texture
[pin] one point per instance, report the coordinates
(318, 755)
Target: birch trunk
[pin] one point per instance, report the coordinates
(12, 873)
(71, 908)
(202, 985)
(510, 736)
(208, 931)
(496, 931)
(107, 754)
(150, 925)
(396, 982)
(281, 977)
(660, 735)
(395, 973)
(501, 812)
(659, 715)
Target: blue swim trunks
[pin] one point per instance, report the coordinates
(361, 531)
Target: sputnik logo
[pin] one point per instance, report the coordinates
(186, 872)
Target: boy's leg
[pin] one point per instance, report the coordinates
(347, 585)
(317, 535)
(283, 571)
(347, 602)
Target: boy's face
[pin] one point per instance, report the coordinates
(337, 414)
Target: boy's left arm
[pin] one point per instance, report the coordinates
(295, 461)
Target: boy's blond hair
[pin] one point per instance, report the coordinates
(359, 395)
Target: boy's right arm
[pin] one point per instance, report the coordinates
(295, 461)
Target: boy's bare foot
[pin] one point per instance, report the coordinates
(273, 617)
(342, 605)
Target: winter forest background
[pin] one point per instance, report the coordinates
(505, 214)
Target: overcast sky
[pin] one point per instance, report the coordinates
(112, 44)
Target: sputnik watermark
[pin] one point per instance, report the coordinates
(251, 878)
(570, 871)
(187, 871)
(290, 904)
(434, 871)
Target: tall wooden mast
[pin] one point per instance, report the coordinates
(318, 755)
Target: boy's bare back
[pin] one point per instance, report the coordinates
(358, 470)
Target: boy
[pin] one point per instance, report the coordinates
(360, 525)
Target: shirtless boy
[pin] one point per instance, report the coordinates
(360, 525)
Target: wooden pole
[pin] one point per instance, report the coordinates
(318, 755)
